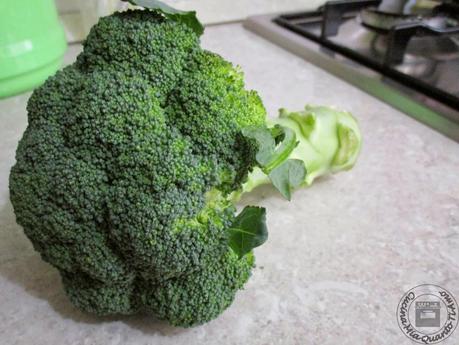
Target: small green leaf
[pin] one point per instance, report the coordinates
(188, 18)
(288, 176)
(274, 145)
(265, 141)
(248, 230)
(284, 148)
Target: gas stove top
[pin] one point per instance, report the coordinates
(405, 54)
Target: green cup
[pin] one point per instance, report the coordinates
(32, 44)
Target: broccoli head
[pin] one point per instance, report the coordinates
(122, 173)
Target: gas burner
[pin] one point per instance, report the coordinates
(409, 46)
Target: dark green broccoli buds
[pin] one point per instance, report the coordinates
(123, 174)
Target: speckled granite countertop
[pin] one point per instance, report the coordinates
(338, 259)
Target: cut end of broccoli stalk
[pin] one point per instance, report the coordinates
(327, 141)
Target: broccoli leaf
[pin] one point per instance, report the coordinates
(265, 141)
(274, 147)
(288, 176)
(286, 144)
(248, 230)
(188, 18)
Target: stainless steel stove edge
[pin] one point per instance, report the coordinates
(437, 116)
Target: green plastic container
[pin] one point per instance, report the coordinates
(32, 44)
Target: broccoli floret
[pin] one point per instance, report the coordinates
(199, 296)
(216, 99)
(143, 43)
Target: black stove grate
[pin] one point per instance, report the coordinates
(333, 14)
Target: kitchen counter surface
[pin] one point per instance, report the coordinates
(339, 256)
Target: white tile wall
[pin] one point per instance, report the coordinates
(79, 15)
(215, 11)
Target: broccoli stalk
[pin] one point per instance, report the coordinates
(329, 141)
